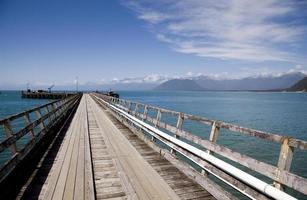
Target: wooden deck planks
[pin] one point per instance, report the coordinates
(106, 176)
(56, 168)
(71, 177)
(100, 158)
(144, 180)
(184, 187)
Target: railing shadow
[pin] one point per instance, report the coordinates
(39, 177)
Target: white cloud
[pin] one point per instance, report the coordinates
(146, 14)
(298, 68)
(189, 74)
(151, 78)
(152, 17)
(228, 29)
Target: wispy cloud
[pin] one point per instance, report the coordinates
(245, 72)
(228, 29)
(151, 78)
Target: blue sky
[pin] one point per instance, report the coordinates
(103, 40)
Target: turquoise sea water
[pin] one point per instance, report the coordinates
(12, 103)
(281, 113)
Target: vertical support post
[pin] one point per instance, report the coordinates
(54, 107)
(64, 108)
(129, 107)
(179, 122)
(59, 103)
(158, 118)
(47, 111)
(179, 127)
(9, 132)
(51, 116)
(212, 138)
(145, 113)
(136, 109)
(284, 161)
(213, 134)
(39, 116)
(28, 121)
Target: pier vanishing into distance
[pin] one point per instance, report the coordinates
(93, 146)
(45, 94)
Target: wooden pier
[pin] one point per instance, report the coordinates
(101, 147)
(45, 95)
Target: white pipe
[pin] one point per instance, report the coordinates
(197, 163)
(239, 174)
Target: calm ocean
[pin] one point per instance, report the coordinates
(281, 113)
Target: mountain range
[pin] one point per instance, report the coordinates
(300, 86)
(249, 83)
(192, 83)
(180, 84)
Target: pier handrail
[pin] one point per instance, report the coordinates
(280, 174)
(17, 115)
(53, 112)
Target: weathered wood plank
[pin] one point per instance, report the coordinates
(285, 177)
(172, 175)
(284, 161)
(247, 131)
(9, 133)
(147, 183)
(28, 122)
(9, 166)
(62, 157)
(18, 115)
(72, 172)
(89, 189)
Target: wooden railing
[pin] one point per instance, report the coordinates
(280, 174)
(21, 141)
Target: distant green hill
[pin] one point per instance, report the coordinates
(300, 85)
(180, 84)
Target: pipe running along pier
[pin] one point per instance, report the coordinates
(93, 146)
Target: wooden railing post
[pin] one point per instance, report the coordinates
(284, 161)
(136, 109)
(54, 107)
(28, 121)
(179, 122)
(64, 107)
(179, 127)
(129, 107)
(145, 113)
(47, 111)
(9, 132)
(59, 103)
(158, 118)
(39, 116)
(212, 138)
(213, 134)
